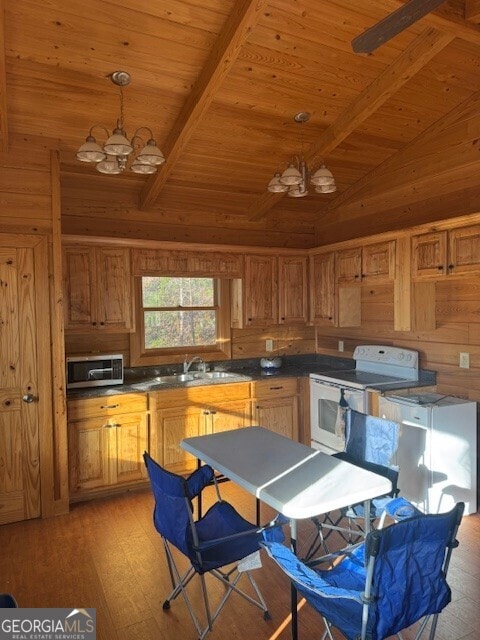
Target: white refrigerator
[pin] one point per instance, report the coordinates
(437, 451)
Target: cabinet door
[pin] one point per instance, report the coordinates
(260, 291)
(279, 415)
(292, 285)
(378, 261)
(349, 265)
(89, 446)
(429, 255)
(79, 288)
(129, 441)
(464, 250)
(228, 416)
(322, 289)
(114, 289)
(173, 426)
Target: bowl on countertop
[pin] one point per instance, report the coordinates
(270, 364)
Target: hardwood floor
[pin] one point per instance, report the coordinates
(106, 554)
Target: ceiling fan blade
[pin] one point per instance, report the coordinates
(393, 24)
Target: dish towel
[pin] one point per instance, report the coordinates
(371, 439)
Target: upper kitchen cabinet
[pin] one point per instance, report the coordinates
(215, 264)
(97, 289)
(370, 263)
(322, 289)
(292, 290)
(451, 252)
(273, 291)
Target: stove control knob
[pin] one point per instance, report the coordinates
(361, 351)
(401, 355)
(409, 357)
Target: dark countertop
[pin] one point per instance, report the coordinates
(142, 379)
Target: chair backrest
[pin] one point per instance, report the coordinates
(410, 563)
(371, 439)
(173, 494)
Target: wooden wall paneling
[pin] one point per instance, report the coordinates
(60, 444)
(250, 343)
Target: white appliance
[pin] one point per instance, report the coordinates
(437, 452)
(375, 366)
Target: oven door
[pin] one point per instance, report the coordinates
(324, 399)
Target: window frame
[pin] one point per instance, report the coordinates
(221, 350)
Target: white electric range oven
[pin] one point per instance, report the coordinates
(375, 366)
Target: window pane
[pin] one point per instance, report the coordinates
(170, 329)
(177, 292)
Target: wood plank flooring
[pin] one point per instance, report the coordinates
(106, 554)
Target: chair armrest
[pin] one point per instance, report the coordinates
(198, 480)
(305, 579)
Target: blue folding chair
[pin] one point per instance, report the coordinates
(371, 443)
(391, 581)
(221, 537)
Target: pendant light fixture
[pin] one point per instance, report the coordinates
(113, 158)
(295, 178)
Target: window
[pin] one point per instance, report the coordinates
(180, 316)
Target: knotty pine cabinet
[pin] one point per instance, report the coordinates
(453, 252)
(184, 413)
(106, 440)
(274, 290)
(275, 405)
(215, 264)
(97, 288)
(323, 308)
(366, 264)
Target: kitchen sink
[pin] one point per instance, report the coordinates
(217, 374)
(181, 377)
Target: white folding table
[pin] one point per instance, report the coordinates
(296, 480)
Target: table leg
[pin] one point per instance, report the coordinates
(366, 507)
(293, 542)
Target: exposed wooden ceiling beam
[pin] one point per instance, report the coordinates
(243, 18)
(3, 85)
(414, 58)
(393, 24)
(449, 18)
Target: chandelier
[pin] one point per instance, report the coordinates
(113, 158)
(296, 177)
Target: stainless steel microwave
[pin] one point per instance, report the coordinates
(94, 371)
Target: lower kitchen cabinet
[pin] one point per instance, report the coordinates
(276, 406)
(105, 450)
(184, 413)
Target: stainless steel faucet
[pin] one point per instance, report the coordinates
(188, 363)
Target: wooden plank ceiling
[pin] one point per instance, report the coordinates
(218, 82)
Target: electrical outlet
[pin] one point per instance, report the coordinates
(340, 345)
(464, 360)
(268, 345)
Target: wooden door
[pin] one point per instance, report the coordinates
(126, 459)
(79, 286)
(229, 415)
(20, 496)
(174, 425)
(378, 261)
(279, 415)
(114, 291)
(89, 451)
(429, 255)
(348, 265)
(260, 292)
(322, 289)
(293, 291)
(464, 250)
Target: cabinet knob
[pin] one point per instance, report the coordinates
(94, 324)
(28, 398)
(440, 267)
(102, 323)
(451, 266)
